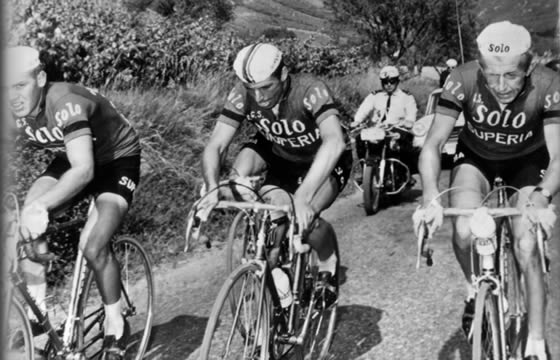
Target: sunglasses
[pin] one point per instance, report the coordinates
(390, 81)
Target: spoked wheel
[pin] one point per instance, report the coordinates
(137, 295)
(19, 340)
(244, 333)
(515, 310)
(486, 330)
(320, 334)
(241, 243)
(372, 195)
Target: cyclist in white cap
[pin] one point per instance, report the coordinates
(299, 141)
(512, 129)
(98, 153)
(390, 105)
(450, 65)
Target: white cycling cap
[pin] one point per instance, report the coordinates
(452, 63)
(255, 63)
(388, 72)
(21, 59)
(503, 39)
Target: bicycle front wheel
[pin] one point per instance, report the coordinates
(243, 333)
(486, 329)
(137, 295)
(19, 340)
(372, 194)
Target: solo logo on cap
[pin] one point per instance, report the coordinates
(503, 39)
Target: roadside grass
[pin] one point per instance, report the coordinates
(174, 125)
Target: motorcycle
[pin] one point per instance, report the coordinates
(383, 174)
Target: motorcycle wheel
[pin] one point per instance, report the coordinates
(371, 193)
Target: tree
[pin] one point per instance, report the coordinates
(409, 32)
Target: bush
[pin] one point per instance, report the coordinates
(134, 50)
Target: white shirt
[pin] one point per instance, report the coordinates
(402, 108)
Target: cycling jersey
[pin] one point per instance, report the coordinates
(293, 125)
(67, 111)
(498, 132)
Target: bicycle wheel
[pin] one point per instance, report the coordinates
(243, 334)
(136, 300)
(19, 341)
(486, 330)
(241, 243)
(514, 304)
(371, 192)
(320, 333)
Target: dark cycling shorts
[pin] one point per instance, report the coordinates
(119, 177)
(526, 170)
(289, 175)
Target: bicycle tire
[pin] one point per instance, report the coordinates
(316, 347)
(235, 342)
(241, 242)
(137, 297)
(486, 329)
(515, 314)
(371, 192)
(19, 341)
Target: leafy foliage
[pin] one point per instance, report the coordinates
(409, 32)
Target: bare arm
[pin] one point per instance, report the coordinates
(429, 163)
(80, 156)
(551, 180)
(211, 157)
(325, 160)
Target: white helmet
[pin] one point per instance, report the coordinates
(451, 63)
(388, 72)
(257, 62)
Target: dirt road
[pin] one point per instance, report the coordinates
(388, 309)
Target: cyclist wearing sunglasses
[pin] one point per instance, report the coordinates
(390, 105)
(512, 129)
(299, 142)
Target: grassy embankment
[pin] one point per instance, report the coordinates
(174, 126)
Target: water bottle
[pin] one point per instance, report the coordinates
(282, 283)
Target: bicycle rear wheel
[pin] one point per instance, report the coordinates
(136, 300)
(486, 329)
(320, 333)
(19, 341)
(241, 242)
(243, 333)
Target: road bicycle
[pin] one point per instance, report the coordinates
(79, 336)
(499, 328)
(383, 174)
(249, 319)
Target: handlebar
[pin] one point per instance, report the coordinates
(424, 251)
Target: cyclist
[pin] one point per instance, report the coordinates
(512, 129)
(393, 106)
(450, 65)
(299, 141)
(97, 152)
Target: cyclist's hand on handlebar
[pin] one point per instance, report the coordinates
(304, 212)
(534, 215)
(430, 215)
(208, 202)
(34, 220)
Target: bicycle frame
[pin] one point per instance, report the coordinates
(297, 252)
